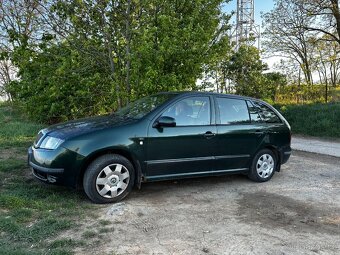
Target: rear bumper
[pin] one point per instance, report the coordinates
(285, 155)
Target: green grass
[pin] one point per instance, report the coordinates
(33, 215)
(321, 120)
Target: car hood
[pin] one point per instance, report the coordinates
(87, 125)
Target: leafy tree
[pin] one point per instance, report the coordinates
(274, 82)
(59, 84)
(180, 38)
(285, 35)
(246, 71)
(95, 56)
(325, 17)
(19, 28)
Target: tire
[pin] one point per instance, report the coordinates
(109, 179)
(262, 172)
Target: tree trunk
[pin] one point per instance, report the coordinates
(128, 41)
(336, 14)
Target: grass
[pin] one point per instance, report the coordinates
(32, 215)
(321, 120)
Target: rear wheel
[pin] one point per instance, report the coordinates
(263, 166)
(109, 179)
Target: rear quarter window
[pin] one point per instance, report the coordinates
(267, 114)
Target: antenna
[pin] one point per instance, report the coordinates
(246, 30)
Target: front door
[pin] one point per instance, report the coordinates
(186, 149)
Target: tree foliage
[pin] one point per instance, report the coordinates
(306, 35)
(245, 70)
(285, 34)
(325, 16)
(95, 56)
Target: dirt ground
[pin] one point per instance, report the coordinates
(297, 212)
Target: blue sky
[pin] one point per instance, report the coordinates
(260, 6)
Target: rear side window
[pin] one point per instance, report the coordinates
(254, 113)
(267, 114)
(232, 111)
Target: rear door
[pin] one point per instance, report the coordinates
(276, 130)
(189, 147)
(238, 137)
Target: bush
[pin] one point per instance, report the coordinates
(313, 119)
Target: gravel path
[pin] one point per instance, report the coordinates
(297, 212)
(316, 145)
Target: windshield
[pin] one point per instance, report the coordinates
(141, 107)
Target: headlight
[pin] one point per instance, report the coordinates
(50, 143)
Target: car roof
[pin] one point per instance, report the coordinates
(182, 93)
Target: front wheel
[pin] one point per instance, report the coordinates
(108, 179)
(263, 166)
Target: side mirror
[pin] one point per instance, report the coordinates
(164, 121)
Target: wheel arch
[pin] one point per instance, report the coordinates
(125, 153)
(275, 150)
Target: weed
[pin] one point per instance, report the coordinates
(89, 234)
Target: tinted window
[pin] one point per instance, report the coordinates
(254, 113)
(192, 111)
(267, 114)
(233, 111)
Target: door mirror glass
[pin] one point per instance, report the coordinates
(165, 121)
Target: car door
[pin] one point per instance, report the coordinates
(187, 148)
(277, 132)
(238, 137)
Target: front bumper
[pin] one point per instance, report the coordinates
(54, 166)
(46, 174)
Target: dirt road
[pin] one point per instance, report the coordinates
(297, 212)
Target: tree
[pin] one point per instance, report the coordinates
(274, 82)
(325, 17)
(7, 75)
(19, 29)
(116, 50)
(245, 69)
(285, 34)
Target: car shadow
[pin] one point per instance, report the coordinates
(186, 184)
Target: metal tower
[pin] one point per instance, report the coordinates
(246, 30)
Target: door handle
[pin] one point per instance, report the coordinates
(259, 132)
(209, 134)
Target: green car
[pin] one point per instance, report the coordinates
(161, 137)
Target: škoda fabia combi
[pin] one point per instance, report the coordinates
(161, 137)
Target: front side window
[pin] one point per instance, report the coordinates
(192, 111)
(143, 106)
(233, 111)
